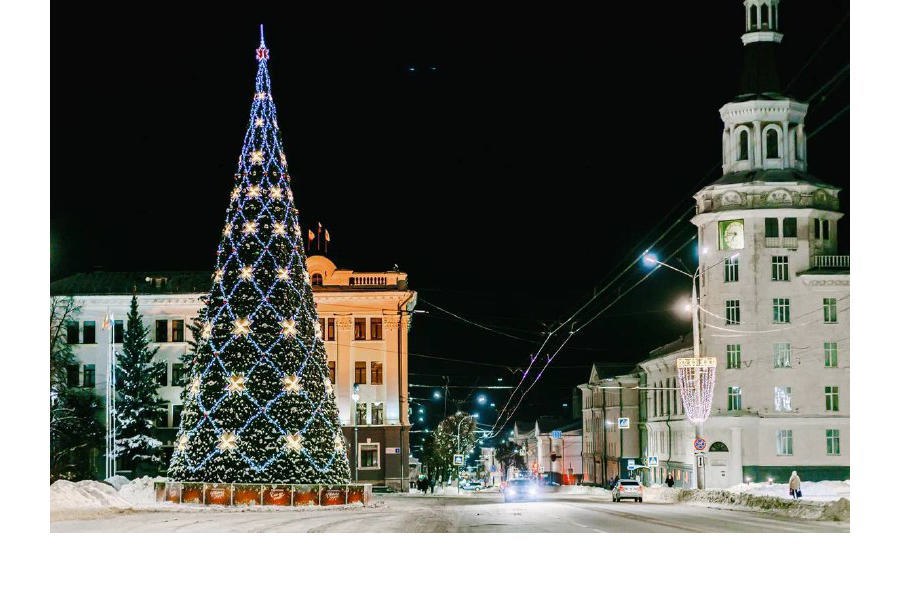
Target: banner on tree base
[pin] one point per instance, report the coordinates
(256, 494)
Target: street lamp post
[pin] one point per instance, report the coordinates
(695, 322)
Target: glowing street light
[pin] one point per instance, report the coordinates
(437, 395)
(481, 399)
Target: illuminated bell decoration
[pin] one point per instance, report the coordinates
(256, 157)
(253, 191)
(278, 229)
(258, 123)
(236, 193)
(290, 196)
(246, 272)
(195, 387)
(206, 331)
(237, 383)
(339, 441)
(249, 227)
(227, 441)
(260, 95)
(241, 326)
(291, 384)
(288, 328)
(275, 193)
(328, 387)
(227, 230)
(181, 446)
(294, 442)
(298, 230)
(283, 274)
(217, 276)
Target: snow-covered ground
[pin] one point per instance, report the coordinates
(821, 491)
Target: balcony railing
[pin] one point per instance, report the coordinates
(368, 281)
(779, 242)
(831, 261)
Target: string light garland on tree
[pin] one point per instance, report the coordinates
(260, 406)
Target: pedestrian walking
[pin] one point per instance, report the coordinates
(794, 486)
(431, 485)
(670, 481)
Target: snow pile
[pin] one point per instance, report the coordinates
(584, 490)
(83, 498)
(661, 494)
(140, 491)
(117, 481)
(822, 491)
(834, 510)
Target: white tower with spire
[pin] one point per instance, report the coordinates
(776, 316)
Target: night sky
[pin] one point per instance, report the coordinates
(511, 160)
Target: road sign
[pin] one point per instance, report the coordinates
(392, 450)
(493, 469)
(458, 460)
(699, 444)
(624, 423)
(556, 434)
(652, 461)
(630, 464)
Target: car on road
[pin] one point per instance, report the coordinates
(472, 485)
(520, 490)
(628, 488)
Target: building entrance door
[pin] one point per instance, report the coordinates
(717, 470)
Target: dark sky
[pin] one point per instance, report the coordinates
(542, 150)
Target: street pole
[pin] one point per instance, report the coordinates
(698, 427)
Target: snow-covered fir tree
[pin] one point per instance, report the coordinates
(138, 407)
(260, 406)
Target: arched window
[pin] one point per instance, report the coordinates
(317, 279)
(744, 145)
(764, 17)
(752, 17)
(772, 144)
(718, 447)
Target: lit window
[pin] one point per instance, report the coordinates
(375, 329)
(376, 373)
(784, 442)
(368, 456)
(782, 355)
(378, 413)
(832, 397)
(733, 356)
(362, 413)
(781, 310)
(832, 442)
(360, 372)
(831, 354)
(782, 399)
(330, 329)
(359, 329)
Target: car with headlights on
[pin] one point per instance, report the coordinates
(628, 488)
(520, 490)
(472, 485)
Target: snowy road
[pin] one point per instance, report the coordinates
(481, 513)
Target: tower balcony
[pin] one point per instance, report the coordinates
(833, 261)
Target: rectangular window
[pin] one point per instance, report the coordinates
(331, 374)
(781, 310)
(375, 329)
(360, 376)
(826, 230)
(178, 374)
(376, 373)
(89, 335)
(779, 268)
(72, 375)
(782, 399)
(178, 330)
(322, 328)
(782, 355)
(734, 398)
(771, 227)
(164, 376)
(732, 312)
(789, 227)
(784, 442)
(368, 456)
(378, 413)
(330, 329)
(118, 332)
(733, 356)
(831, 354)
(362, 413)
(90, 376)
(731, 269)
(162, 331)
(829, 307)
(176, 414)
(359, 329)
(817, 228)
(832, 442)
(72, 332)
(832, 397)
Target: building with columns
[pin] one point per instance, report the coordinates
(365, 320)
(774, 292)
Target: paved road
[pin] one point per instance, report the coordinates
(480, 513)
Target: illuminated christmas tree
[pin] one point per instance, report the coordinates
(260, 406)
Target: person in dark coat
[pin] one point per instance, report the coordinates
(431, 485)
(670, 481)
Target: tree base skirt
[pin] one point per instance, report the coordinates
(262, 494)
